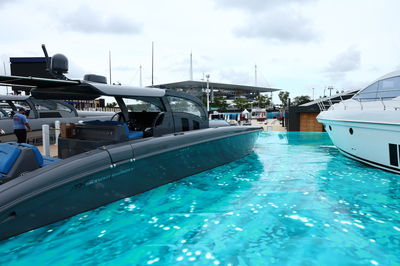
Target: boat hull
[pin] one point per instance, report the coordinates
(87, 181)
(372, 143)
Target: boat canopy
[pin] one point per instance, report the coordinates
(77, 89)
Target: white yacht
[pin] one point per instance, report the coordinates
(367, 126)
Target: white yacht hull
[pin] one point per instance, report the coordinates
(373, 143)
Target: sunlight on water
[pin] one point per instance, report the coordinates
(295, 201)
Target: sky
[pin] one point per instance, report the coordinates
(299, 46)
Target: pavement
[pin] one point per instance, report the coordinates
(34, 138)
(269, 125)
(53, 150)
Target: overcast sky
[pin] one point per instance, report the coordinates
(297, 45)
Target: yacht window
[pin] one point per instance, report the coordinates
(180, 105)
(4, 114)
(368, 94)
(389, 88)
(134, 105)
(6, 110)
(41, 105)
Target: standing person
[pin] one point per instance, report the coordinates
(20, 125)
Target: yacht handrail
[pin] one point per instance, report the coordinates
(329, 103)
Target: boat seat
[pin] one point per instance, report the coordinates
(130, 134)
(38, 155)
(16, 158)
(40, 159)
(8, 156)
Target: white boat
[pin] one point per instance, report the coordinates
(367, 126)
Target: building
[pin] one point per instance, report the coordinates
(303, 117)
(228, 91)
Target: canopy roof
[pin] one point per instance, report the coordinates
(191, 84)
(76, 89)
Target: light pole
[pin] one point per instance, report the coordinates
(313, 94)
(208, 92)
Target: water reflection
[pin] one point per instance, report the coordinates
(296, 201)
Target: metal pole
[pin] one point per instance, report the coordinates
(5, 74)
(46, 139)
(109, 64)
(313, 94)
(152, 63)
(141, 84)
(191, 66)
(208, 92)
(255, 75)
(57, 130)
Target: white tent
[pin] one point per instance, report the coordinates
(246, 113)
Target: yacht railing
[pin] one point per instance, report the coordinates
(325, 103)
(362, 98)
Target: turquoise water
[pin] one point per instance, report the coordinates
(295, 201)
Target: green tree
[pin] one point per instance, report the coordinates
(241, 103)
(284, 97)
(299, 100)
(111, 105)
(219, 103)
(262, 101)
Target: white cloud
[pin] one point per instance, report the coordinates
(344, 62)
(258, 5)
(87, 21)
(5, 2)
(273, 20)
(281, 25)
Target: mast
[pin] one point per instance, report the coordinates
(140, 73)
(191, 66)
(152, 63)
(109, 64)
(5, 74)
(255, 75)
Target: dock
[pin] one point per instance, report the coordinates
(269, 125)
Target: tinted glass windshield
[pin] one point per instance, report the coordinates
(181, 105)
(135, 105)
(380, 90)
(41, 105)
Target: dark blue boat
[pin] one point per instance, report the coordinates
(159, 136)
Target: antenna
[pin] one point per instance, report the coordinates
(57, 66)
(109, 64)
(191, 66)
(140, 72)
(5, 74)
(46, 56)
(255, 75)
(152, 63)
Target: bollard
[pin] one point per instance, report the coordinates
(57, 130)
(46, 139)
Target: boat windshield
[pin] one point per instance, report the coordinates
(385, 89)
(136, 105)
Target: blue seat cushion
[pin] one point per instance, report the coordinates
(38, 155)
(107, 122)
(8, 156)
(130, 134)
(135, 134)
(49, 160)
